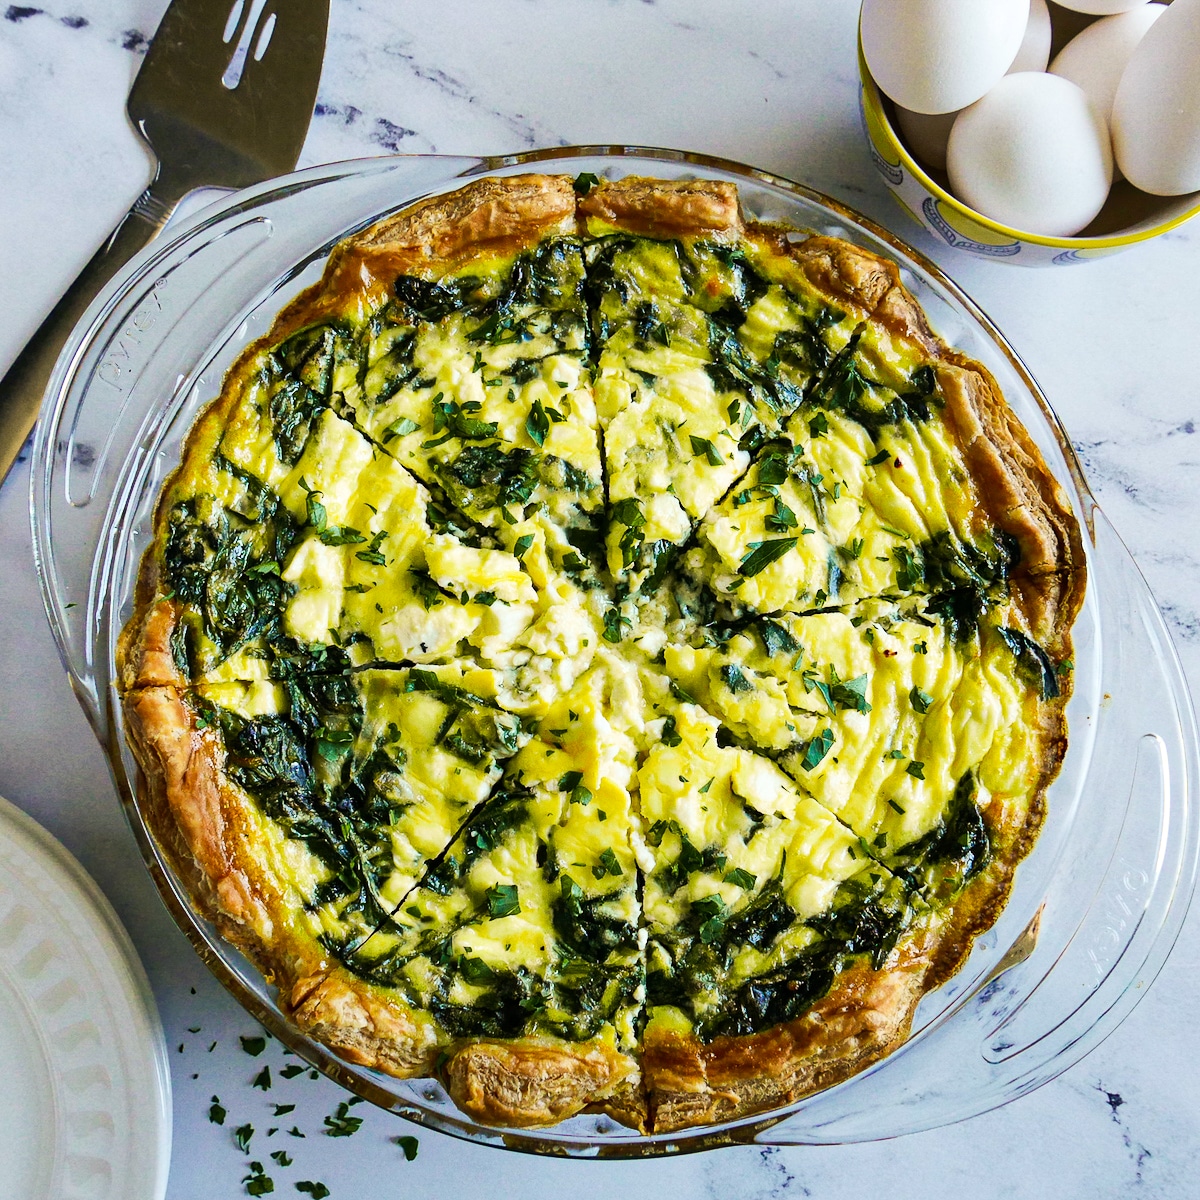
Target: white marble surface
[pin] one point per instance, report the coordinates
(770, 83)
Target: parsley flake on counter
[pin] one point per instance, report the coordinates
(340, 1123)
(216, 1114)
(262, 1080)
(253, 1046)
(318, 1191)
(257, 1183)
(242, 1135)
(409, 1145)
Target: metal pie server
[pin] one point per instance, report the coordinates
(224, 99)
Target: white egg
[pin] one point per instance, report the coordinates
(1032, 154)
(1096, 58)
(1100, 8)
(926, 134)
(1156, 113)
(935, 56)
(1034, 53)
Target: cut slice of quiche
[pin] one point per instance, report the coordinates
(527, 926)
(603, 651)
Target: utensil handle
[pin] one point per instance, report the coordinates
(24, 385)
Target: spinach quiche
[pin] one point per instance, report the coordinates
(603, 652)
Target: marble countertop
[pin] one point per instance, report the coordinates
(771, 83)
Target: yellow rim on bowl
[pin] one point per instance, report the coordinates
(877, 117)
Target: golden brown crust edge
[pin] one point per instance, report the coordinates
(534, 1082)
(864, 1017)
(663, 208)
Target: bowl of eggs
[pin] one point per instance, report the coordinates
(1036, 133)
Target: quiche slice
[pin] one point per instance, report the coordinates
(523, 935)
(884, 482)
(604, 652)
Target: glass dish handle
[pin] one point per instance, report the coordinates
(1099, 937)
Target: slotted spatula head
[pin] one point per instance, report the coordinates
(227, 89)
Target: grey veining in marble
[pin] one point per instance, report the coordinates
(770, 83)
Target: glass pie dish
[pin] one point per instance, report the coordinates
(1095, 908)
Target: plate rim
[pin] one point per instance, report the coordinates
(126, 992)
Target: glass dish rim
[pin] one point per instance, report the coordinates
(337, 1068)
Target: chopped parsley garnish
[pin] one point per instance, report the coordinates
(669, 736)
(741, 878)
(876, 459)
(503, 900)
(613, 620)
(408, 1144)
(399, 428)
(849, 693)
(703, 446)
(317, 1190)
(341, 1123)
(628, 512)
(242, 1135)
(816, 749)
(762, 554)
(715, 912)
(427, 591)
(782, 519)
(572, 782)
(476, 971)
(372, 553)
(734, 679)
(216, 1114)
(608, 864)
(916, 769)
(920, 700)
(257, 1183)
(262, 1080)
(776, 639)
(537, 423)
(909, 571)
(253, 1046)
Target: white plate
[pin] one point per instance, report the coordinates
(85, 1093)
